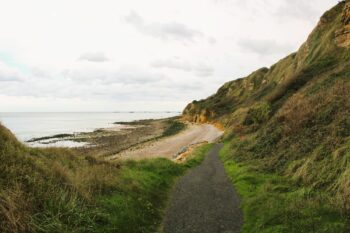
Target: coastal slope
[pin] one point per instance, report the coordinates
(64, 190)
(288, 133)
(295, 114)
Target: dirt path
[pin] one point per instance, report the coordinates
(170, 146)
(204, 201)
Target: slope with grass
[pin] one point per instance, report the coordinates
(60, 190)
(288, 133)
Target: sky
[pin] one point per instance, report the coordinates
(136, 55)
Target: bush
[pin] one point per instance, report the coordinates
(258, 114)
(173, 128)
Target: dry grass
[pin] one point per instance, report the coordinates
(343, 192)
(301, 110)
(60, 190)
(14, 212)
(297, 112)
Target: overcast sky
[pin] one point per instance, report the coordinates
(101, 55)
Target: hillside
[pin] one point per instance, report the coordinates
(63, 190)
(325, 54)
(293, 119)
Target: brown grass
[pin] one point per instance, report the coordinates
(301, 110)
(14, 212)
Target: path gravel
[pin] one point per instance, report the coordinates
(204, 200)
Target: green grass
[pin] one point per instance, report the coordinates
(257, 114)
(274, 203)
(174, 127)
(60, 190)
(138, 204)
(289, 130)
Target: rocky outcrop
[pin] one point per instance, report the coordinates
(194, 114)
(342, 35)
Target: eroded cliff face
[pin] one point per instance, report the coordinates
(204, 116)
(325, 47)
(342, 36)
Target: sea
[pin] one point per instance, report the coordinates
(27, 125)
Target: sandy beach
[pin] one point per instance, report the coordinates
(171, 146)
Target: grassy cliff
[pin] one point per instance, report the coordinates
(292, 120)
(61, 190)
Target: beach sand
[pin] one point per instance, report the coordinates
(171, 146)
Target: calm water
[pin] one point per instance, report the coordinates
(32, 125)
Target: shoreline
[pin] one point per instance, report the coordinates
(176, 147)
(27, 126)
(120, 136)
(76, 136)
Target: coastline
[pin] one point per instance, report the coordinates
(29, 125)
(111, 140)
(77, 139)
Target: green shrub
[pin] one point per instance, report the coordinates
(174, 127)
(258, 114)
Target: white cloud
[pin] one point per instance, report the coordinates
(212, 40)
(264, 47)
(203, 70)
(200, 69)
(298, 9)
(116, 55)
(165, 31)
(109, 75)
(94, 57)
(172, 64)
(9, 74)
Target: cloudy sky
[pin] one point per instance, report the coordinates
(108, 55)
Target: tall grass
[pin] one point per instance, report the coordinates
(273, 203)
(60, 190)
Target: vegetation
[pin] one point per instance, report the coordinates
(59, 190)
(274, 203)
(287, 152)
(173, 128)
(258, 114)
(288, 135)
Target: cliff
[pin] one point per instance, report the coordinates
(326, 50)
(294, 117)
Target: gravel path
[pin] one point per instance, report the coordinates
(204, 200)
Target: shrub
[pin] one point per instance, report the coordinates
(173, 128)
(258, 114)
